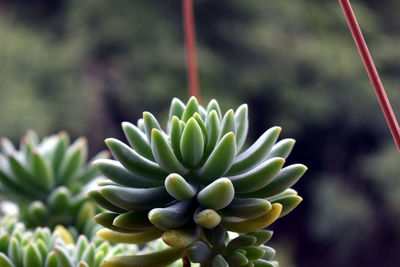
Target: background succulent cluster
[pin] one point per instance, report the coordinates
(179, 183)
(45, 248)
(47, 179)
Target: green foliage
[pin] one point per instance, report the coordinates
(195, 178)
(45, 248)
(46, 179)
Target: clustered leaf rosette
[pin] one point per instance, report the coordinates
(46, 179)
(193, 176)
(43, 248)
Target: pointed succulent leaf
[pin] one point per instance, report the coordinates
(289, 203)
(191, 108)
(257, 223)
(138, 140)
(89, 254)
(287, 177)
(63, 257)
(236, 259)
(220, 160)
(51, 260)
(269, 253)
(116, 172)
(135, 198)
(177, 108)
(130, 238)
(282, 148)
(257, 152)
(242, 125)
(74, 159)
(246, 208)
(32, 256)
(104, 203)
(157, 259)
(192, 143)
(133, 220)
(175, 136)
(258, 177)
(213, 129)
(242, 241)
(262, 236)
(164, 155)
(227, 124)
(42, 171)
(213, 105)
(150, 123)
(133, 161)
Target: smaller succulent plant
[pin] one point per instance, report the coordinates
(46, 179)
(42, 248)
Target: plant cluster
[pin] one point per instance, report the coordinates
(45, 248)
(47, 179)
(179, 183)
(188, 185)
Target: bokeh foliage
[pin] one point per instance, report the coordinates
(85, 66)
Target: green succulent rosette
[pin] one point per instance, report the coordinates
(194, 176)
(46, 179)
(45, 248)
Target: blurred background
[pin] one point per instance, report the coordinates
(86, 66)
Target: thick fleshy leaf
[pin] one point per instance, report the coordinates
(199, 252)
(104, 203)
(282, 148)
(255, 224)
(246, 208)
(130, 238)
(213, 128)
(133, 220)
(213, 105)
(138, 140)
(175, 136)
(178, 188)
(255, 153)
(157, 259)
(176, 109)
(217, 195)
(242, 125)
(227, 124)
(191, 108)
(207, 218)
(64, 260)
(116, 172)
(220, 160)
(181, 238)
(287, 177)
(150, 123)
(42, 171)
(258, 177)
(164, 155)
(74, 159)
(137, 164)
(192, 143)
(289, 203)
(4, 261)
(135, 198)
(173, 216)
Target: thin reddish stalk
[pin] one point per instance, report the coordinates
(371, 70)
(190, 41)
(185, 261)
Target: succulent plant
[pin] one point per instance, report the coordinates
(42, 248)
(46, 179)
(178, 183)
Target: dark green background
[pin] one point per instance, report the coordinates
(87, 65)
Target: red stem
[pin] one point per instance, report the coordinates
(371, 70)
(185, 261)
(190, 41)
